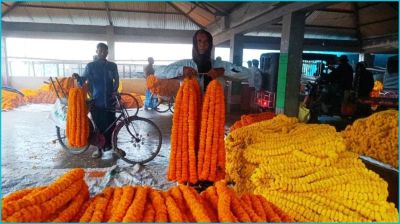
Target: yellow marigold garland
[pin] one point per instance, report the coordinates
(305, 170)
(375, 136)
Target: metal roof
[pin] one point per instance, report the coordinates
(361, 20)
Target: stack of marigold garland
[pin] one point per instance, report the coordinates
(58, 202)
(251, 118)
(305, 170)
(197, 146)
(11, 100)
(67, 200)
(77, 130)
(375, 136)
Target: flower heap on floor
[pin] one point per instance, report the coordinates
(306, 171)
(197, 138)
(67, 200)
(11, 100)
(375, 136)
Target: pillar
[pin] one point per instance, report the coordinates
(111, 43)
(236, 46)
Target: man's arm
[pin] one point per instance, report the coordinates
(82, 79)
(116, 80)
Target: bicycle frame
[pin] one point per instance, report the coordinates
(123, 117)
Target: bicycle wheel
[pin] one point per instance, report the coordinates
(62, 138)
(163, 104)
(171, 104)
(130, 103)
(139, 137)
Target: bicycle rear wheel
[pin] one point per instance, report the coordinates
(139, 138)
(171, 104)
(130, 103)
(162, 104)
(62, 138)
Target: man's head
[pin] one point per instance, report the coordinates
(150, 60)
(361, 66)
(249, 64)
(102, 50)
(255, 63)
(343, 59)
(202, 44)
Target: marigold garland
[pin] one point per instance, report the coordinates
(375, 136)
(77, 129)
(139, 203)
(304, 170)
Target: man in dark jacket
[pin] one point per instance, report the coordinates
(103, 81)
(363, 81)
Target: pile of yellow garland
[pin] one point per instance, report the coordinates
(375, 136)
(77, 130)
(305, 170)
(11, 100)
(67, 200)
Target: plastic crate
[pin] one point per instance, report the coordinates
(265, 99)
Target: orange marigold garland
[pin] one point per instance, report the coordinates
(210, 167)
(135, 212)
(149, 213)
(113, 203)
(174, 213)
(196, 208)
(128, 193)
(77, 121)
(159, 206)
(73, 209)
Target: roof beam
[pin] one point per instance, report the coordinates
(217, 9)
(108, 13)
(10, 8)
(368, 5)
(379, 21)
(262, 15)
(185, 14)
(96, 9)
(336, 10)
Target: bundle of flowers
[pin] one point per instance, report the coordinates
(306, 171)
(77, 121)
(11, 100)
(67, 200)
(375, 136)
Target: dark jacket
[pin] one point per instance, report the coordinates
(103, 80)
(363, 83)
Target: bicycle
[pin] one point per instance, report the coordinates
(131, 137)
(162, 104)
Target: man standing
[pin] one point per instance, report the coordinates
(103, 81)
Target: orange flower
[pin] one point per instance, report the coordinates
(74, 207)
(149, 213)
(176, 194)
(224, 203)
(113, 203)
(82, 210)
(159, 206)
(195, 206)
(135, 212)
(101, 205)
(211, 196)
(174, 213)
(271, 215)
(123, 205)
(77, 121)
(43, 194)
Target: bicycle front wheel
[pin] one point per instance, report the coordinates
(62, 138)
(139, 138)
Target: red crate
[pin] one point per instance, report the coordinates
(265, 99)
